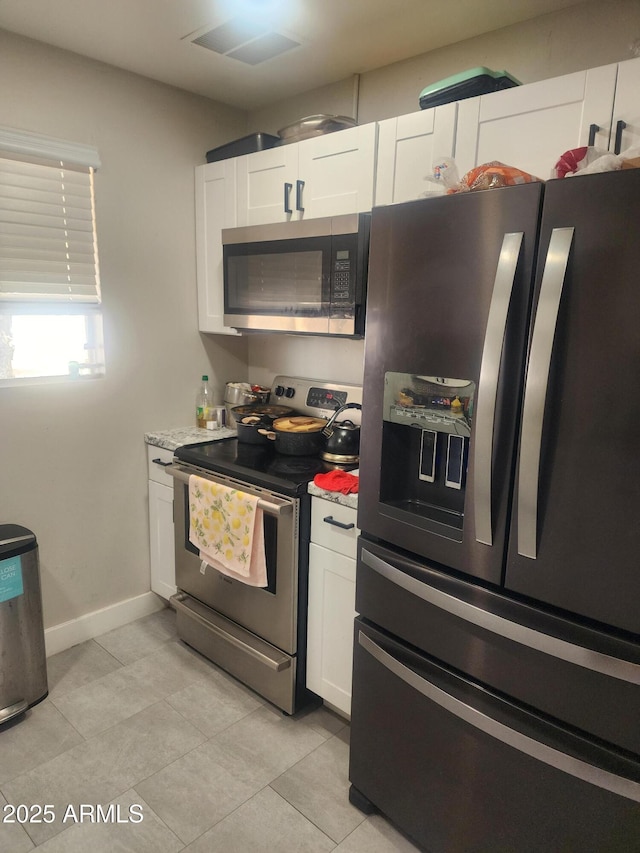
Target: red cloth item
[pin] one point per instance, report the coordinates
(338, 481)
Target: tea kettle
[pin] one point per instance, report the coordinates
(343, 438)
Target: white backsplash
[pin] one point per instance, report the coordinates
(305, 355)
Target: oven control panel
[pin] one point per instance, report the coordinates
(313, 397)
(326, 398)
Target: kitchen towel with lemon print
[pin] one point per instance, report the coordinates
(226, 527)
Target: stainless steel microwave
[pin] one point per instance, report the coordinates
(305, 277)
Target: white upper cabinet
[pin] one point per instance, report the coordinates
(324, 176)
(407, 148)
(530, 126)
(625, 127)
(215, 193)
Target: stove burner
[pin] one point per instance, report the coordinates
(306, 466)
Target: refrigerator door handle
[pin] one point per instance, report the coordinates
(587, 658)
(535, 389)
(488, 385)
(537, 750)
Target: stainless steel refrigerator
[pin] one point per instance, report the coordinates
(496, 685)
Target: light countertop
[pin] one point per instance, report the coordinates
(335, 497)
(171, 439)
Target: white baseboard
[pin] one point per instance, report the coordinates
(67, 634)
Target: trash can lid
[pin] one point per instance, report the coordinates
(15, 539)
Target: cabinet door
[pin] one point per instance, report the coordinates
(529, 127)
(215, 210)
(407, 148)
(626, 107)
(161, 540)
(332, 587)
(337, 171)
(266, 186)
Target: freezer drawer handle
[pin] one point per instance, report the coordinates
(488, 386)
(545, 643)
(539, 751)
(535, 389)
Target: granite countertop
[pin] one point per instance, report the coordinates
(170, 439)
(335, 497)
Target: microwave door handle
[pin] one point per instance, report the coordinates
(488, 385)
(535, 388)
(287, 193)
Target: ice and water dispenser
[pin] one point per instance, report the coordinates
(425, 447)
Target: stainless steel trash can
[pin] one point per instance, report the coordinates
(23, 664)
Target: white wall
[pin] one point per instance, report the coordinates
(72, 456)
(580, 37)
(583, 36)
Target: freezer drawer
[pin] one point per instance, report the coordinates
(569, 671)
(462, 770)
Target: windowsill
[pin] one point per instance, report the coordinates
(19, 382)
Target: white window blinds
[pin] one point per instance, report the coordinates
(48, 248)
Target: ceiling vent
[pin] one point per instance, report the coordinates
(248, 41)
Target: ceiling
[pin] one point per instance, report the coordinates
(322, 41)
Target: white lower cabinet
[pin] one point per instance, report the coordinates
(161, 529)
(332, 591)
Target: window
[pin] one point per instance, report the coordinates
(50, 316)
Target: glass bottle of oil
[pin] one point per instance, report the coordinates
(203, 403)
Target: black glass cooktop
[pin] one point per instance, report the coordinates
(255, 464)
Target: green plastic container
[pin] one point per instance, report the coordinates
(467, 84)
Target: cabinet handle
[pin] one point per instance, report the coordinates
(331, 520)
(593, 129)
(620, 126)
(287, 191)
(161, 463)
(299, 188)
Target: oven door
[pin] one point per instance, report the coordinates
(270, 612)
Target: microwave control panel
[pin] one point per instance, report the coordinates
(341, 289)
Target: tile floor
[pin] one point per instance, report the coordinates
(136, 718)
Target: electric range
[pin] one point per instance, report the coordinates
(258, 634)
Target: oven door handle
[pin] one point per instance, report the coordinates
(267, 507)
